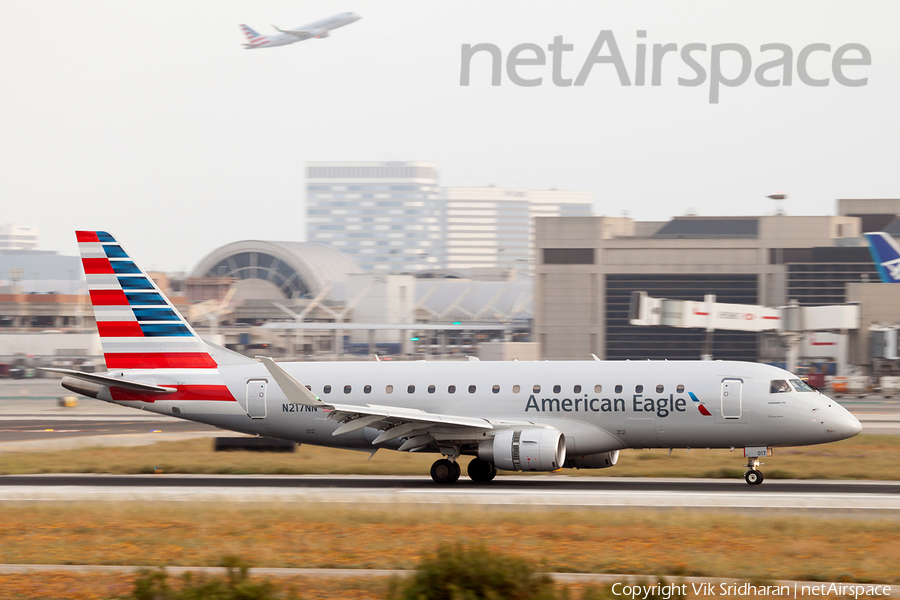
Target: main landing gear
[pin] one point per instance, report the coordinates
(481, 471)
(447, 470)
(753, 475)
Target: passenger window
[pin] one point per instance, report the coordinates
(471, 389)
(388, 389)
(430, 389)
(411, 389)
(556, 389)
(638, 389)
(496, 389)
(309, 387)
(660, 389)
(577, 389)
(367, 389)
(779, 386)
(516, 389)
(618, 389)
(802, 386)
(598, 389)
(537, 389)
(327, 389)
(347, 389)
(680, 389)
(451, 389)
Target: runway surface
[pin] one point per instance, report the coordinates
(519, 491)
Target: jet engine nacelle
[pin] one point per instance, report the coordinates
(533, 449)
(593, 461)
(320, 33)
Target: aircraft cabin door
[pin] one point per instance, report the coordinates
(731, 398)
(256, 399)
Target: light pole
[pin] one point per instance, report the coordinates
(779, 254)
(790, 340)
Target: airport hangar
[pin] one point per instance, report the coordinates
(588, 268)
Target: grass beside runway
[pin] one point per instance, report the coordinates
(862, 457)
(670, 543)
(97, 586)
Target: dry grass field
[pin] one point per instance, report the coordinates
(66, 586)
(861, 457)
(670, 543)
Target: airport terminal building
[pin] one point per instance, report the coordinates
(316, 300)
(588, 268)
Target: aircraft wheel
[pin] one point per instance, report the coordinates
(445, 471)
(753, 477)
(481, 471)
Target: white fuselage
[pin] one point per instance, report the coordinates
(616, 405)
(319, 28)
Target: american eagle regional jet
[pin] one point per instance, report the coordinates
(515, 416)
(316, 29)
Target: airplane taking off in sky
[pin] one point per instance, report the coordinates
(316, 29)
(886, 255)
(515, 416)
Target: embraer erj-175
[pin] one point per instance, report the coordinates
(317, 29)
(886, 255)
(515, 416)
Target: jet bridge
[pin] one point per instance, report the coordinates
(792, 322)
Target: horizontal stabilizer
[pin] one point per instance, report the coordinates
(108, 381)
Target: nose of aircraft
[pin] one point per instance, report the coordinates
(845, 424)
(852, 425)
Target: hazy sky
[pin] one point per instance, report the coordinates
(149, 120)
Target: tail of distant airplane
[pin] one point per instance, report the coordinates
(139, 327)
(254, 39)
(886, 255)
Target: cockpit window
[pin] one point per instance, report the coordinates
(779, 386)
(802, 386)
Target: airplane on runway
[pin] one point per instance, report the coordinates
(316, 29)
(516, 416)
(886, 255)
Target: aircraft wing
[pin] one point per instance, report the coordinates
(300, 35)
(420, 427)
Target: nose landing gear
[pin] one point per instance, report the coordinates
(753, 476)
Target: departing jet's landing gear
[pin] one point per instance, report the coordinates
(481, 471)
(753, 476)
(445, 471)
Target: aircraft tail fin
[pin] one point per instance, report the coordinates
(139, 327)
(886, 255)
(254, 40)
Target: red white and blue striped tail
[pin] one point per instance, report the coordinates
(254, 38)
(139, 327)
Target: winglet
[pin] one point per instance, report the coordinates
(293, 389)
(596, 358)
